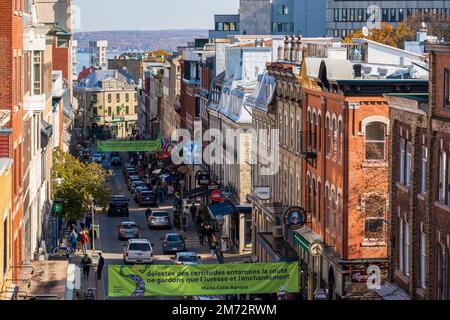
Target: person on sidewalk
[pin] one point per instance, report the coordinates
(193, 212)
(73, 241)
(212, 247)
(101, 263)
(201, 234)
(209, 233)
(92, 236)
(184, 218)
(84, 241)
(86, 264)
(199, 220)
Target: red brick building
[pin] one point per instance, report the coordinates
(345, 147)
(11, 96)
(419, 182)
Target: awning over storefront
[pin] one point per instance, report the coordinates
(223, 208)
(303, 237)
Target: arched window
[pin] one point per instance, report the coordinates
(340, 225)
(319, 132)
(333, 210)
(327, 207)
(341, 140)
(328, 136)
(319, 194)
(335, 136)
(307, 191)
(314, 202)
(309, 120)
(314, 125)
(376, 141)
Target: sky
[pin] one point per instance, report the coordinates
(106, 15)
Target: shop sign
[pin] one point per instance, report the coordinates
(61, 252)
(295, 217)
(316, 249)
(213, 185)
(262, 193)
(203, 178)
(359, 276)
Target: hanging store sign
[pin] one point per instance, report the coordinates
(316, 249)
(262, 193)
(203, 178)
(295, 217)
(216, 196)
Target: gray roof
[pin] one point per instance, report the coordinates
(336, 68)
(94, 79)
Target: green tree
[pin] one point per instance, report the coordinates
(76, 183)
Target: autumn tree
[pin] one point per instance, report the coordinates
(386, 35)
(436, 25)
(76, 183)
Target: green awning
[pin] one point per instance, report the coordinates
(302, 242)
(129, 146)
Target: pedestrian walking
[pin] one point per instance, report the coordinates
(212, 246)
(73, 241)
(184, 218)
(86, 264)
(101, 263)
(199, 221)
(84, 241)
(201, 234)
(193, 212)
(209, 233)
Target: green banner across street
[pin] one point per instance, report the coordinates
(129, 145)
(201, 279)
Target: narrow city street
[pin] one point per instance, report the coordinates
(112, 248)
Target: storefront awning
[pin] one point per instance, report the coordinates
(223, 208)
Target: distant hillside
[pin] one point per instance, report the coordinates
(140, 40)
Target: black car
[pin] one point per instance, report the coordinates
(147, 198)
(116, 161)
(118, 209)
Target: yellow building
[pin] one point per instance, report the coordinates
(109, 101)
(5, 224)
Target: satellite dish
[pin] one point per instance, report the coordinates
(365, 31)
(424, 25)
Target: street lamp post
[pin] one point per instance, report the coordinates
(219, 223)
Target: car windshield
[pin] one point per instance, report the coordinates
(119, 198)
(128, 226)
(97, 155)
(187, 258)
(119, 204)
(173, 238)
(160, 214)
(146, 194)
(139, 247)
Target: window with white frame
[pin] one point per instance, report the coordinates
(292, 132)
(423, 259)
(299, 135)
(328, 136)
(424, 169)
(400, 244)
(376, 141)
(374, 212)
(402, 161)
(408, 164)
(407, 244)
(335, 137)
(442, 180)
(37, 72)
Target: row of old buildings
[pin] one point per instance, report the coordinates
(36, 116)
(353, 133)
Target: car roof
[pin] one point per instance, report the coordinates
(172, 234)
(128, 222)
(159, 211)
(139, 241)
(190, 253)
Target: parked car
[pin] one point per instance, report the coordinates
(130, 173)
(140, 186)
(138, 251)
(118, 208)
(128, 230)
(116, 161)
(97, 157)
(138, 191)
(119, 198)
(147, 198)
(132, 179)
(173, 242)
(137, 183)
(115, 154)
(186, 258)
(159, 219)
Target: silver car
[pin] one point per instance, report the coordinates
(159, 219)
